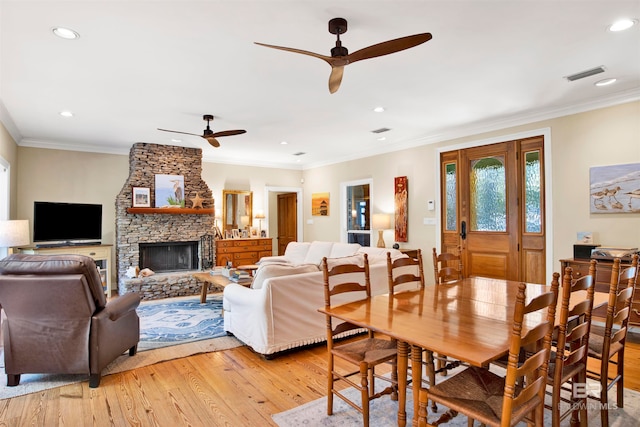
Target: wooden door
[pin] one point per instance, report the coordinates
(287, 220)
(493, 208)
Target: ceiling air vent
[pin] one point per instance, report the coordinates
(300, 153)
(381, 130)
(588, 73)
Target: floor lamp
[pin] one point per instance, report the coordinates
(14, 233)
(381, 222)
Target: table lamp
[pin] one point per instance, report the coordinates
(244, 221)
(14, 233)
(260, 216)
(381, 222)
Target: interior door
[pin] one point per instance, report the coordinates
(493, 209)
(287, 220)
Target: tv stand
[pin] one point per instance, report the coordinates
(100, 253)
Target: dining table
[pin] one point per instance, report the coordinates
(469, 320)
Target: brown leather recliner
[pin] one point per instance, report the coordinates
(56, 318)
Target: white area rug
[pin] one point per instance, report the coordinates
(31, 383)
(384, 412)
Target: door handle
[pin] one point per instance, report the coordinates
(463, 230)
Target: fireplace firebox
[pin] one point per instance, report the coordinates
(167, 257)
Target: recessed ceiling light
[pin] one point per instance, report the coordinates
(623, 24)
(65, 33)
(379, 109)
(175, 140)
(382, 138)
(66, 113)
(284, 143)
(605, 82)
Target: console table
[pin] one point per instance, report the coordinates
(101, 254)
(242, 251)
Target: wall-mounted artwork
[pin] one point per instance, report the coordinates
(320, 204)
(615, 189)
(169, 191)
(401, 208)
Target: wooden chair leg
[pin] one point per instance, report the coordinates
(364, 392)
(330, 387)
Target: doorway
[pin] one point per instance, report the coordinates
(273, 225)
(493, 207)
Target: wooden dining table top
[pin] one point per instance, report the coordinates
(469, 320)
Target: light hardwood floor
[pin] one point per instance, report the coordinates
(234, 387)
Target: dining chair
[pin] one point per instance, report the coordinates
(495, 400)
(344, 283)
(568, 362)
(447, 267)
(606, 347)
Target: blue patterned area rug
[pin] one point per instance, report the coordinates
(179, 320)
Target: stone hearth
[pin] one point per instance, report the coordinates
(145, 161)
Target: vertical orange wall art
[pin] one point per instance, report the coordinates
(401, 209)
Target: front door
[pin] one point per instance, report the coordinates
(287, 220)
(493, 209)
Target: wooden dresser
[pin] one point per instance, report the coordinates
(603, 277)
(242, 251)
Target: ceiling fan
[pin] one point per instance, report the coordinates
(340, 56)
(208, 134)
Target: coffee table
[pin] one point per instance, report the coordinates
(218, 280)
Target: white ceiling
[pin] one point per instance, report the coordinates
(143, 65)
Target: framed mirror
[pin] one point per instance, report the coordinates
(237, 209)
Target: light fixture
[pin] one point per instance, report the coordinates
(382, 138)
(622, 24)
(65, 33)
(284, 143)
(175, 140)
(14, 233)
(605, 82)
(66, 113)
(244, 221)
(260, 216)
(379, 109)
(381, 222)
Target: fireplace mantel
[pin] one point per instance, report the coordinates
(171, 211)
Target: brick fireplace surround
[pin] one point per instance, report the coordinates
(145, 161)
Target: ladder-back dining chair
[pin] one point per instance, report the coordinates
(606, 347)
(447, 266)
(494, 400)
(344, 283)
(568, 364)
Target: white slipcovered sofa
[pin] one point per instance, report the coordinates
(280, 310)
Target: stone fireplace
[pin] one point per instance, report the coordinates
(162, 232)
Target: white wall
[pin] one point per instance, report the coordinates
(601, 137)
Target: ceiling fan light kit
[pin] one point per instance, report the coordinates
(340, 56)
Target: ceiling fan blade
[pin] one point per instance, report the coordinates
(211, 140)
(388, 47)
(335, 78)
(228, 133)
(304, 52)
(175, 131)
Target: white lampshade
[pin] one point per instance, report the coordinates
(244, 220)
(381, 221)
(260, 214)
(14, 233)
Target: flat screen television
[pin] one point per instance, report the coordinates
(56, 223)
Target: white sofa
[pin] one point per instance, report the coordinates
(280, 310)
